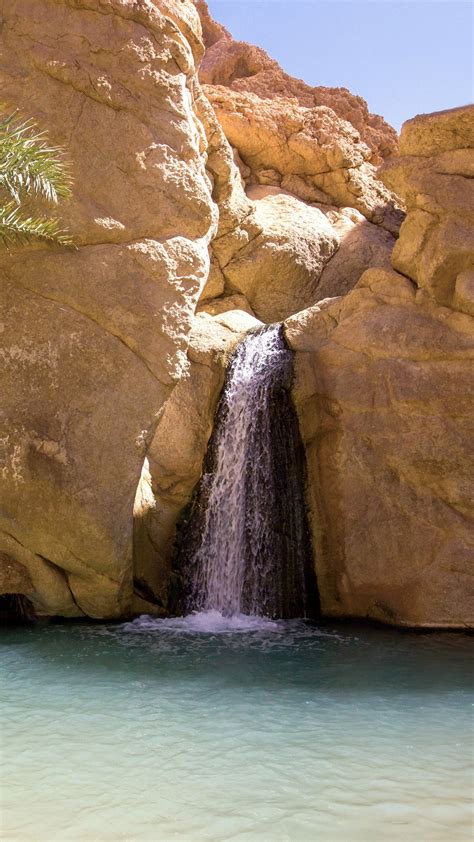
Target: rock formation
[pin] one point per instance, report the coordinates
(313, 146)
(191, 227)
(94, 339)
(384, 393)
(246, 68)
(434, 173)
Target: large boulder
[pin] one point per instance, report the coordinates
(94, 339)
(279, 269)
(435, 176)
(383, 389)
(362, 245)
(384, 392)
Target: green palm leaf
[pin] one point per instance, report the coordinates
(29, 165)
(16, 227)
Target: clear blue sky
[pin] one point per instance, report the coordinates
(404, 58)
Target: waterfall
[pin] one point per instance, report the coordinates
(246, 548)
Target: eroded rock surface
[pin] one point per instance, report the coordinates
(276, 238)
(435, 175)
(94, 339)
(247, 68)
(310, 152)
(384, 391)
(315, 146)
(197, 214)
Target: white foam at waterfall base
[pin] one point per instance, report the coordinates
(205, 622)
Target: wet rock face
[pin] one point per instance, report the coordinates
(95, 339)
(384, 395)
(175, 456)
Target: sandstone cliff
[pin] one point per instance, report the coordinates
(191, 226)
(94, 339)
(300, 186)
(384, 391)
(246, 68)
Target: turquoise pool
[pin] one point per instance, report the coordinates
(201, 729)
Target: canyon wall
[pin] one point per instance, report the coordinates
(94, 338)
(384, 390)
(301, 210)
(281, 244)
(201, 208)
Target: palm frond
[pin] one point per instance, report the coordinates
(15, 227)
(28, 164)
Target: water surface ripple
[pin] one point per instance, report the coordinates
(243, 730)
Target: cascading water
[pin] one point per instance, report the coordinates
(246, 548)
